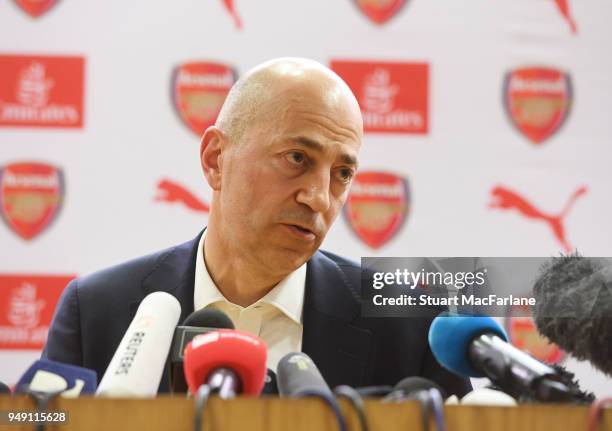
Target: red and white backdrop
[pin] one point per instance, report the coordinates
(488, 132)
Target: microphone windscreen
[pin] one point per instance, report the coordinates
(50, 376)
(415, 383)
(138, 363)
(450, 337)
(209, 318)
(574, 307)
(297, 375)
(239, 351)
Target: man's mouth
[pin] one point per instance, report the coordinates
(301, 232)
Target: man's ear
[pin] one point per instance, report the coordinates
(211, 157)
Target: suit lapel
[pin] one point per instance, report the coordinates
(339, 349)
(173, 273)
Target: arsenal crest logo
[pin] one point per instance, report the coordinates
(199, 90)
(31, 195)
(524, 334)
(380, 11)
(35, 8)
(377, 206)
(538, 101)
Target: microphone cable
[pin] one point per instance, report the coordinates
(41, 399)
(437, 407)
(345, 391)
(374, 391)
(331, 402)
(200, 403)
(430, 402)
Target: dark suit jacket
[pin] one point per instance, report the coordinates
(94, 312)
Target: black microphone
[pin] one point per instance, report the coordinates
(209, 318)
(270, 383)
(476, 346)
(574, 307)
(199, 322)
(4, 389)
(298, 376)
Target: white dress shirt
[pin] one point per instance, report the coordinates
(276, 318)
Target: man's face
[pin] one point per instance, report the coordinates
(285, 183)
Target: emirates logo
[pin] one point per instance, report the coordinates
(24, 309)
(394, 97)
(41, 91)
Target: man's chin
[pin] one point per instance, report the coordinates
(289, 259)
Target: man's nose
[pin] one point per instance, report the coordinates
(314, 192)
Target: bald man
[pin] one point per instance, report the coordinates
(280, 160)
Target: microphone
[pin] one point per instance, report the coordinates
(488, 397)
(298, 376)
(55, 377)
(199, 322)
(574, 307)
(209, 318)
(46, 379)
(138, 363)
(477, 346)
(270, 383)
(229, 362)
(4, 389)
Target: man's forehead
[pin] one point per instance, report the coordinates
(334, 119)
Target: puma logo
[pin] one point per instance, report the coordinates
(231, 9)
(504, 198)
(563, 6)
(169, 191)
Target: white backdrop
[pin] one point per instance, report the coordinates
(132, 136)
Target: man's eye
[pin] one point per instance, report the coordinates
(295, 157)
(346, 174)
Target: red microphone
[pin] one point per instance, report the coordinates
(230, 362)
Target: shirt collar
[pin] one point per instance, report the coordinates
(287, 296)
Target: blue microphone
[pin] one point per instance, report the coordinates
(450, 337)
(477, 346)
(53, 377)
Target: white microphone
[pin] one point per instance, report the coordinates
(138, 363)
(483, 397)
(488, 397)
